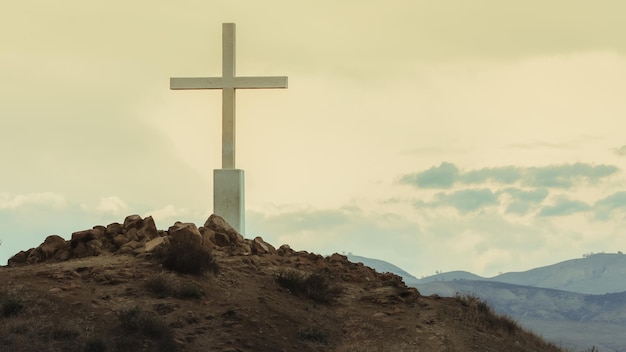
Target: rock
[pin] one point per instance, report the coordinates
(53, 245)
(131, 234)
(185, 234)
(260, 247)
(219, 225)
(114, 229)
(132, 222)
(221, 239)
(87, 249)
(338, 258)
(19, 258)
(208, 237)
(147, 229)
(84, 236)
(120, 240)
(152, 244)
(285, 250)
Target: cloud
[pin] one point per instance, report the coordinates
(112, 205)
(8, 201)
(504, 174)
(566, 175)
(563, 207)
(442, 176)
(467, 200)
(552, 176)
(605, 206)
(523, 201)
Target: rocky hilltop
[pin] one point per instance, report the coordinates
(131, 287)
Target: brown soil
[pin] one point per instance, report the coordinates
(79, 305)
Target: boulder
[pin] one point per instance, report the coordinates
(260, 247)
(87, 249)
(185, 234)
(338, 258)
(285, 250)
(219, 225)
(147, 229)
(132, 222)
(19, 258)
(154, 243)
(114, 229)
(53, 245)
(120, 240)
(208, 237)
(84, 236)
(221, 239)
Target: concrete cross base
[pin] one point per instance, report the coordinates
(229, 197)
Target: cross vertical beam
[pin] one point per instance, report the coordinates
(228, 96)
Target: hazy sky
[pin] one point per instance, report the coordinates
(481, 135)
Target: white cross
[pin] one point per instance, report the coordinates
(228, 83)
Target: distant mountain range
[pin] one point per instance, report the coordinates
(595, 274)
(577, 303)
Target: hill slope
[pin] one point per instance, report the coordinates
(261, 299)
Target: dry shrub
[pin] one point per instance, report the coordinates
(313, 286)
(188, 259)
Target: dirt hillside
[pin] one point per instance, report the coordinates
(90, 294)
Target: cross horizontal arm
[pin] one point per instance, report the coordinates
(177, 83)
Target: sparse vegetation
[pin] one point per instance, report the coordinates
(189, 290)
(11, 306)
(311, 334)
(313, 286)
(188, 259)
(135, 324)
(160, 286)
(481, 314)
(163, 286)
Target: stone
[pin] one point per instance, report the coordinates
(87, 249)
(132, 222)
(84, 236)
(208, 237)
(185, 234)
(338, 258)
(260, 247)
(154, 243)
(285, 250)
(19, 258)
(221, 239)
(147, 229)
(114, 229)
(131, 234)
(52, 245)
(219, 225)
(120, 240)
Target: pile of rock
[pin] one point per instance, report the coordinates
(139, 236)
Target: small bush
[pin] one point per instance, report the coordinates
(160, 285)
(189, 259)
(136, 321)
(313, 286)
(95, 346)
(163, 286)
(482, 314)
(311, 334)
(11, 306)
(189, 290)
